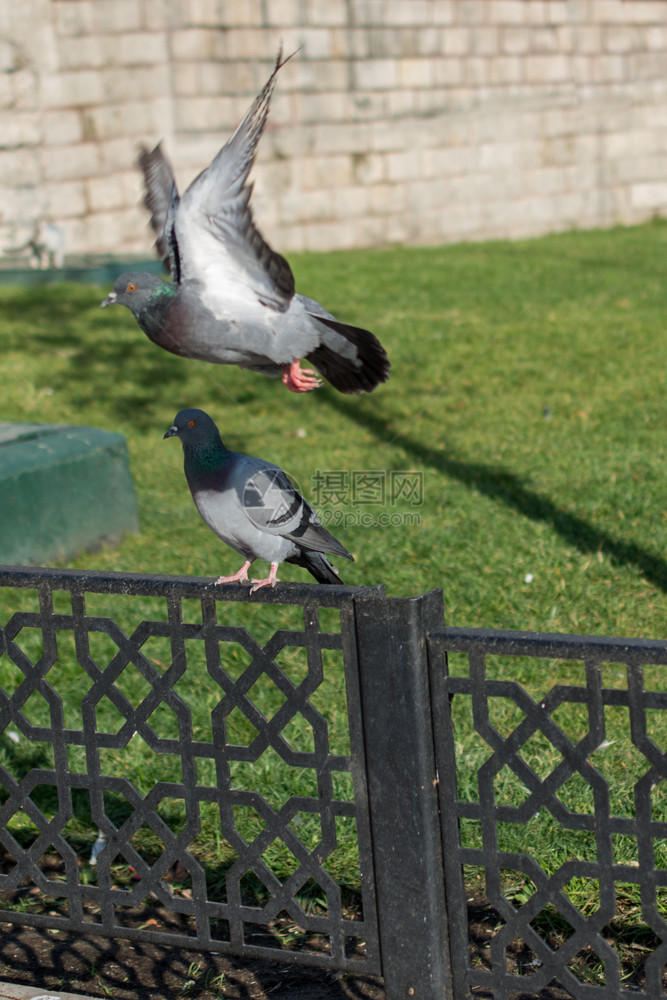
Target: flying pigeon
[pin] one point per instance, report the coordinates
(231, 299)
(252, 506)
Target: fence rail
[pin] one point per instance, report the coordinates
(144, 718)
(554, 746)
(87, 771)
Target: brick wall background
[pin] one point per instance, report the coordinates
(405, 121)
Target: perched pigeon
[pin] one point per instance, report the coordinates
(251, 505)
(232, 299)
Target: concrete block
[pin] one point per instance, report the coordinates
(6, 91)
(505, 69)
(645, 65)
(645, 12)
(654, 37)
(216, 13)
(67, 163)
(75, 89)
(387, 199)
(316, 43)
(393, 42)
(508, 11)
(408, 12)
(312, 109)
(473, 12)
(429, 41)
(195, 43)
(369, 168)
(582, 69)
(62, 128)
(403, 166)
(74, 17)
(241, 13)
(19, 168)
(116, 16)
(558, 12)
(143, 83)
(349, 43)
(327, 12)
(547, 69)
(566, 35)
(449, 72)
(457, 42)
(336, 235)
(106, 193)
(619, 38)
(544, 39)
(9, 57)
(610, 68)
(588, 39)
(26, 86)
(328, 75)
(65, 201)
(444, 11)
(476, 71)
(21, 129)
(350, 202)
(159, 16)
(87, 52)
(486, 41)
(365, 13)
(649, 195)
(376, 74)
(606, 11)
(63, 490)
(414, 73)
(515, 41)
(327, 171)
(140, 48)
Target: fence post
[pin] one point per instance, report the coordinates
(403, 794)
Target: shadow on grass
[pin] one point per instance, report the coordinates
(113, 362)
(507, 487)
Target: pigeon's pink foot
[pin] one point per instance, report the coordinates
(270, 581)
(239, 577)
(298, 379)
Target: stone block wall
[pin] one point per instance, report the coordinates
(398, 121)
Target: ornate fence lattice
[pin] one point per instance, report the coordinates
(187, 765)
(206, 708)
(526, 749)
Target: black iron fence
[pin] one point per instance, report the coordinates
(171, 770)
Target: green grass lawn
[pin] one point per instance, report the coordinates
(528, 389)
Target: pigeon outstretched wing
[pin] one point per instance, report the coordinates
(161, 199)
(214, 226)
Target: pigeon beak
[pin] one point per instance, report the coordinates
(170, 433)
(109, 301)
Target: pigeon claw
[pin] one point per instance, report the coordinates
(298, 379)
(270, 581)
(239, 577)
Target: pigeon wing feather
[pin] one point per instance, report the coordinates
(161, 199)
(217, 237)
(272, 503)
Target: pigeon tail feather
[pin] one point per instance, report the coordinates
(317, 565)
(361, 373)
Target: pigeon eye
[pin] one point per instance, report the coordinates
(191, 423)
(131, 287)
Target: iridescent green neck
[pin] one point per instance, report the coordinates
(209, 456)
(151, 315)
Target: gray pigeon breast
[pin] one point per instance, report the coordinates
(258, 337)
